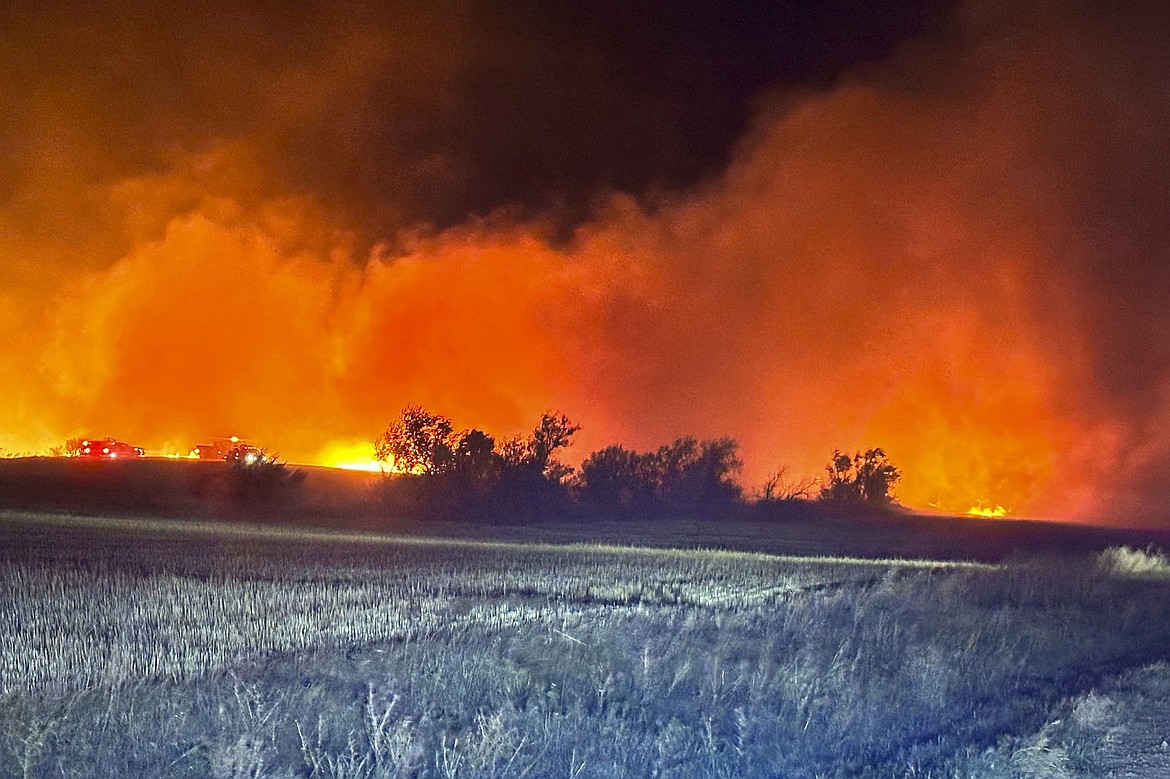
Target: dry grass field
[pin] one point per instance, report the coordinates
(137, 647)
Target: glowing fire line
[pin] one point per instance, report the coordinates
(979, 510)
(356, 456)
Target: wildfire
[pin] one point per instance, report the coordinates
(220, 304)
(352, 457)
(979, 510)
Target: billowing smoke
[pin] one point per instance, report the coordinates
(958, 254)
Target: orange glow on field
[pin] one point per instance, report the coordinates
(359, 465)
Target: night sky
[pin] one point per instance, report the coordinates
(941, 229)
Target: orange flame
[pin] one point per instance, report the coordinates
(352, 457)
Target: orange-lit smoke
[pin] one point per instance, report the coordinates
(882, 264)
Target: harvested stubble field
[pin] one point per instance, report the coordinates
(142, 648)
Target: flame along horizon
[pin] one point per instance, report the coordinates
(352, 456)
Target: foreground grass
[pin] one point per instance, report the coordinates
(211, 654)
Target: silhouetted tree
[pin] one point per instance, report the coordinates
(877, 476)
(469, 474)
(786, 498)
(682, 475)
(552, 433)
(418, 442)
(780, 488)
(474, 456)
(618, 477)
(700, 473)
(866, 477)
(534, 455)
(841, 483)
(673, 461)
(513, 452)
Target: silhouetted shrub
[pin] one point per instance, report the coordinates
(262, 487)
(441, 474)
(865, 478)
(532, 457)
(616, 478)
(683, 476)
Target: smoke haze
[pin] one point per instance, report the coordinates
(953, 247)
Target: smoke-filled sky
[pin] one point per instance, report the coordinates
(938, 229)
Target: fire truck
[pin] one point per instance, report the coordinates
(109, 449)
(232, 449)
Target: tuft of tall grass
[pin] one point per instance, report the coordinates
(1125, 561)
